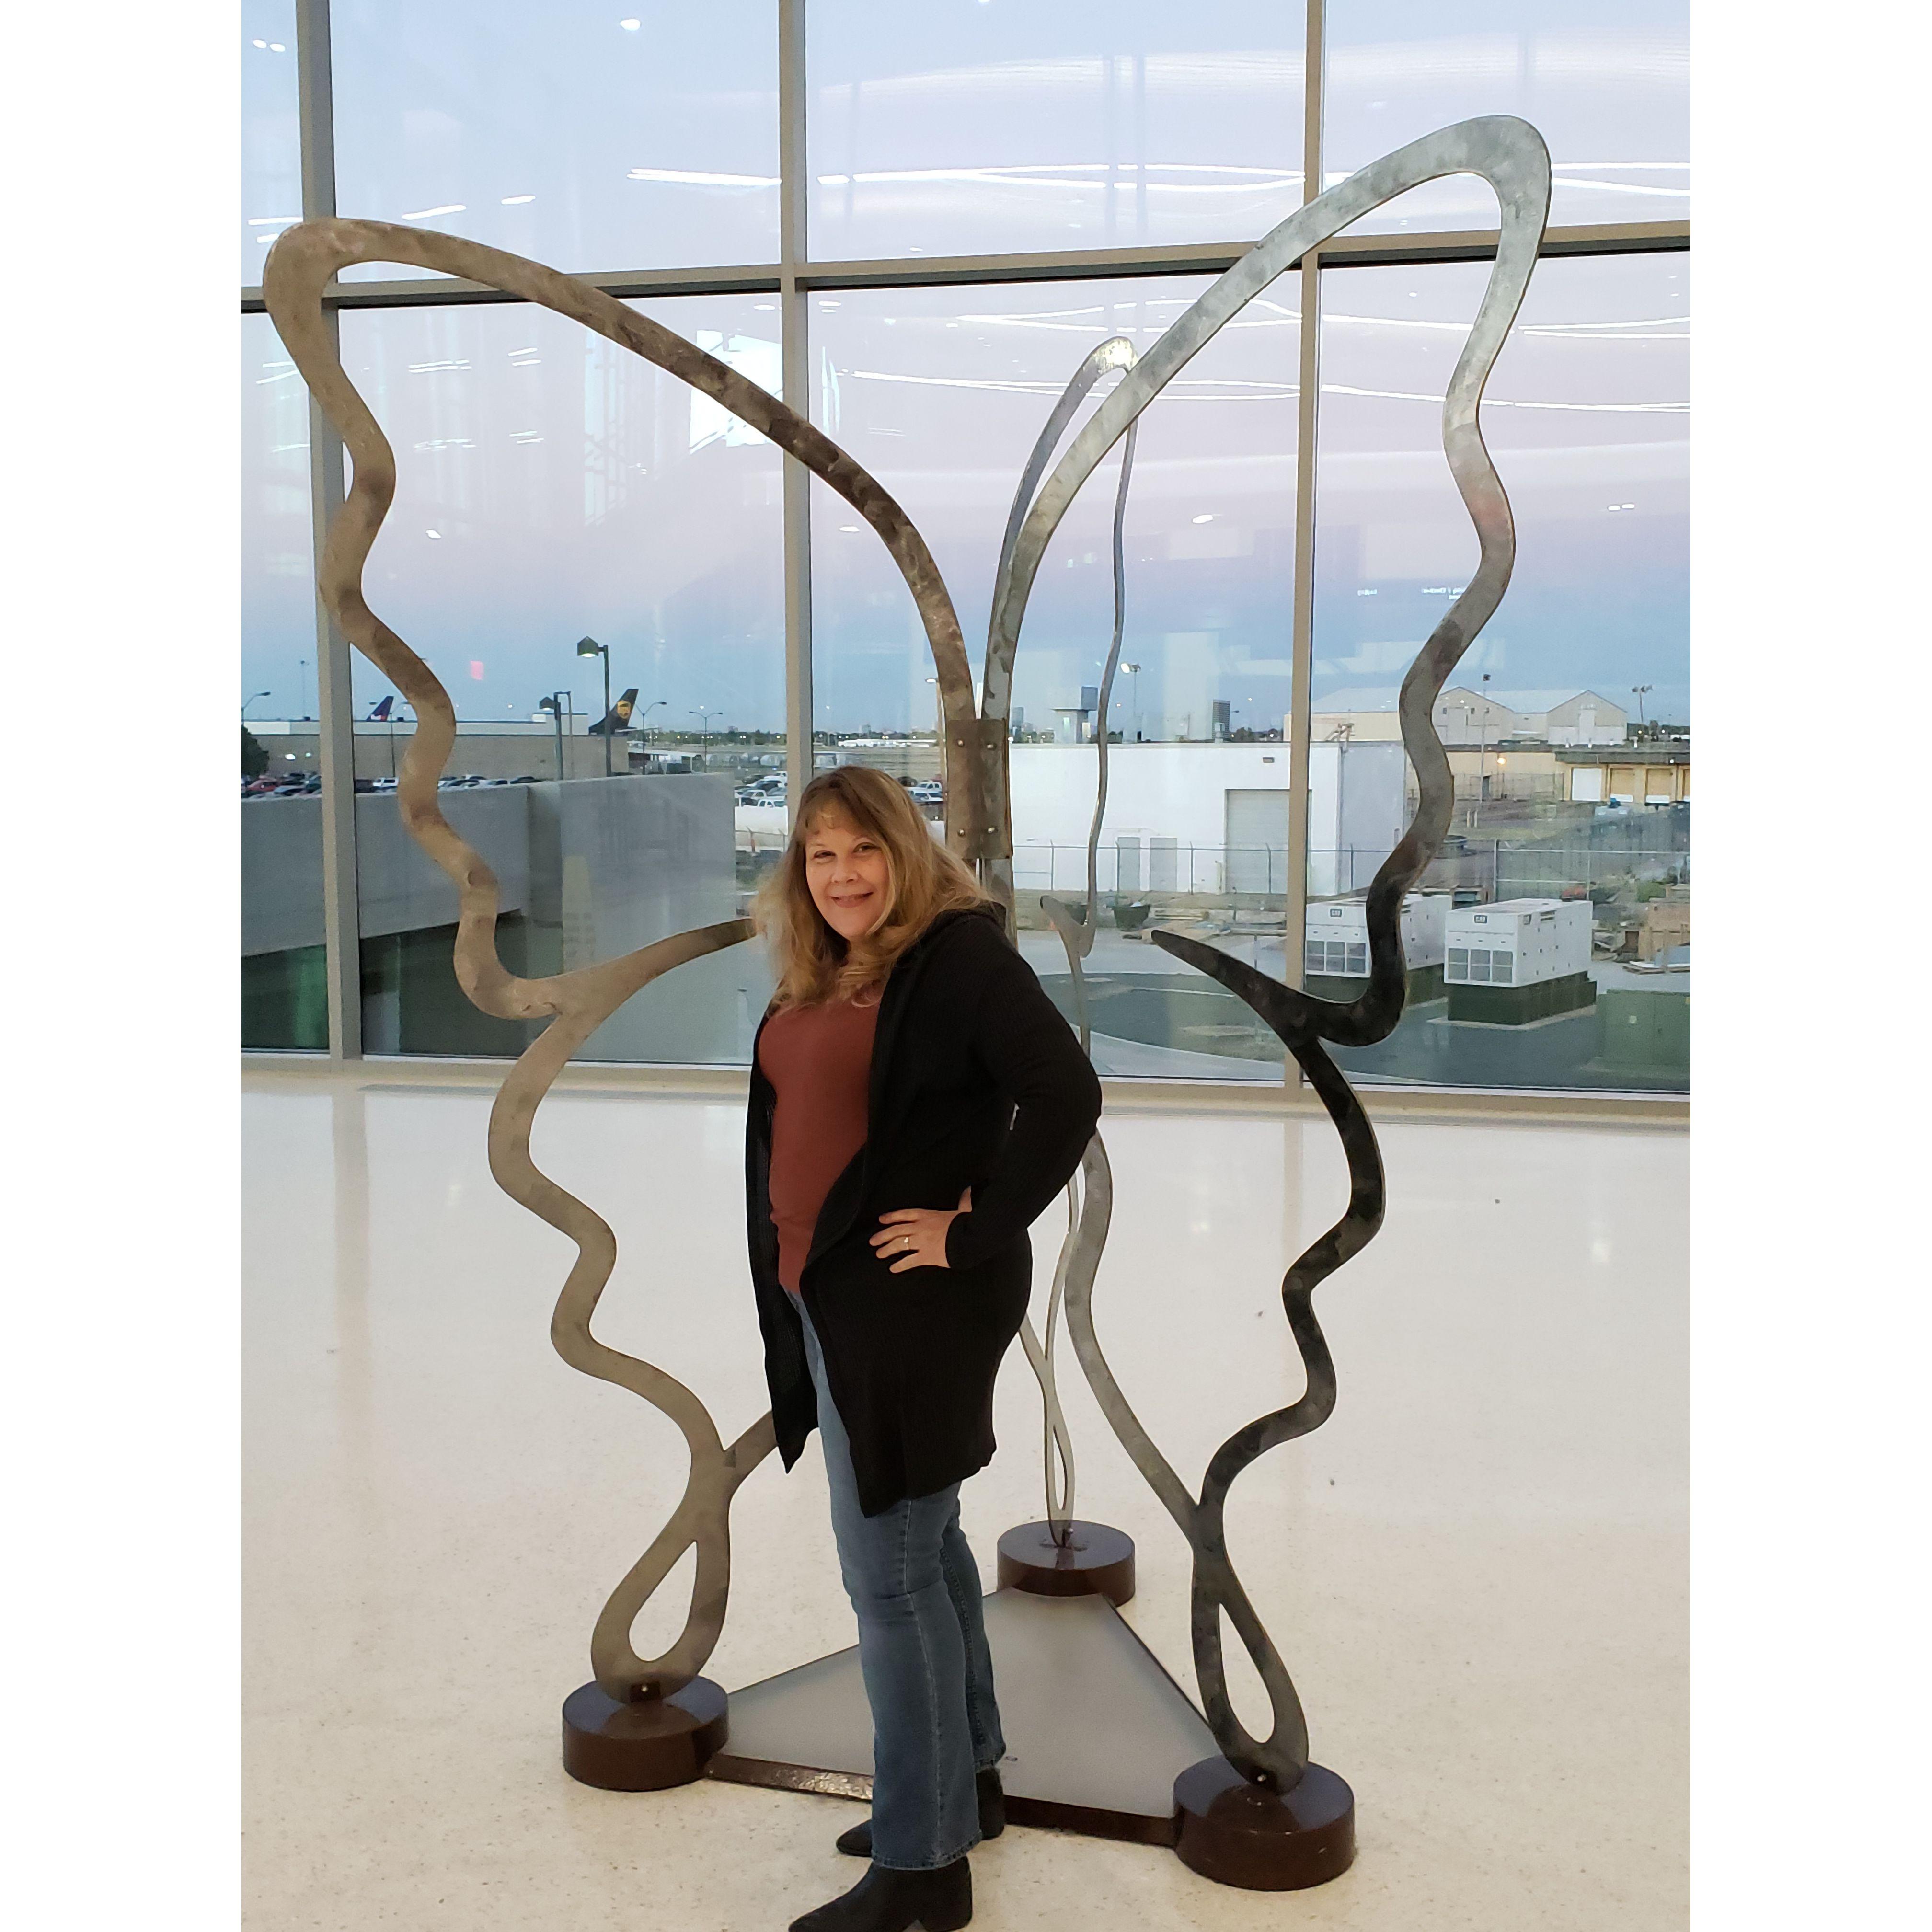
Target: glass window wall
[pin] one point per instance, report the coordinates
(588, 136)
(1568, 722)
(941, 393)
(1608, 86)
(567, 515)
(271, 130)
(956, 127)
(284, 985)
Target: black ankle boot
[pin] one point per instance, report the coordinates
(894, 1901)
(857, 1843)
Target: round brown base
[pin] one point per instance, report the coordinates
(1095, 1561)
(647, 1746)
(1239, 1834)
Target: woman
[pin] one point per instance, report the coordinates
(917, 1101)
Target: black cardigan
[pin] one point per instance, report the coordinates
(976, 1081)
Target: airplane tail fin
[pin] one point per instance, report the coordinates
(380, 715)
(618, 717)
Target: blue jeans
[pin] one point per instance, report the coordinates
(915, 1589)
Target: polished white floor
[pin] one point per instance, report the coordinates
(1476, 1570)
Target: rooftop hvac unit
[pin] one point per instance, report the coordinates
(1517, 942)
(1337, 935)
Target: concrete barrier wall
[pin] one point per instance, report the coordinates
(483, 753)
(595, 868)
(281, 874)
(618, 863)
(400, 887)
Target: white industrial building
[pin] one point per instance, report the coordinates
(1183, 818)
(1202, 818)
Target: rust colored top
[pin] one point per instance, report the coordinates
(819, 1061)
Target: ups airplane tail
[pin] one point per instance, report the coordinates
(617, 719)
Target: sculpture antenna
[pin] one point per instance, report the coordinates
(1086, 1215)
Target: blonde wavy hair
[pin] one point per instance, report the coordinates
(811, 963)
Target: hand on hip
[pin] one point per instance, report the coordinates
(912, 1237)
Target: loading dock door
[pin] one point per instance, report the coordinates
(1257, 842)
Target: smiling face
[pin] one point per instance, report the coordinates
(846, 870)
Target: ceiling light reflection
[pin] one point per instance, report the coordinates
(1177, 391)
(1513, 403)
(700, 178)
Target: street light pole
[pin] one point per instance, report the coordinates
(1637, 691)
(256, 699)
(1482, 754)
(589, 647)
(703, 717)
(557, 703)
(643, 730)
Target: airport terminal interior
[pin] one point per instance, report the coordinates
(913, 226)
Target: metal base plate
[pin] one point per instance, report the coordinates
(1096, 1731)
